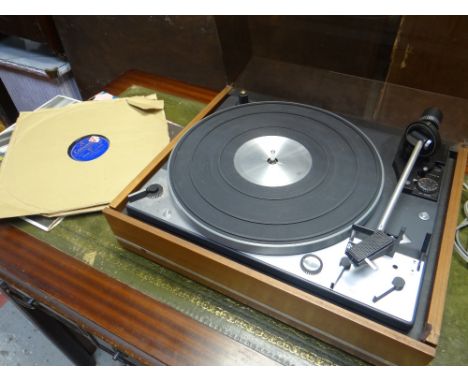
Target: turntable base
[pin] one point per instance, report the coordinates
(339, 326)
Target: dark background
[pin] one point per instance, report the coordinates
(362, 65)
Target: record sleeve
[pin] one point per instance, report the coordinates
(79, 156)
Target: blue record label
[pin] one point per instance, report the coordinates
(88, 148)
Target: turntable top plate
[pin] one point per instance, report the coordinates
(275, 177)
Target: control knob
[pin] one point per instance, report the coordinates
(311, 264)
(427, 185)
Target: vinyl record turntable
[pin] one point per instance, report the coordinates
(342, 210)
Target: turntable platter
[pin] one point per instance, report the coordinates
(275, 177)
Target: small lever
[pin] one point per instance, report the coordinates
(423, 252)
(398, 284)
(151, 189)
(346, 264)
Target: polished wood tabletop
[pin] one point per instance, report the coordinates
(143, 328)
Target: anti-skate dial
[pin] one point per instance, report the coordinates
(427, 185)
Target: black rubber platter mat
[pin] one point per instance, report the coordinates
(343, 183)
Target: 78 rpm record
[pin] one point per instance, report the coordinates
(275, 177)
(80, 156)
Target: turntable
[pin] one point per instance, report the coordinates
(330, 224)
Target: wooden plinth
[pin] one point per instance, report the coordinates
(351, 332)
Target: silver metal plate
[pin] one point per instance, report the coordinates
(363, 283)
(359, 284)
(272, 161)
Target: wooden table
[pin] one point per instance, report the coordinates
(89, 308)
